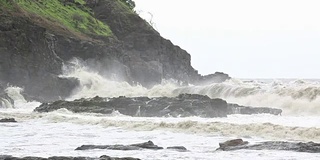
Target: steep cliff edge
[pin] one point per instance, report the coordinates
(38, 37)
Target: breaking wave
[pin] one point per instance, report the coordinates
(93, 84)
(16, 100)
(218, 126)
(293, 97)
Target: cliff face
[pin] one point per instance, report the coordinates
(35, 41)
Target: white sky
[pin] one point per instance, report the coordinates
(244, 38)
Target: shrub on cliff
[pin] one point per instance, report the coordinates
(130, 3)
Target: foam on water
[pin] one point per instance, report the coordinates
(92, 84)
(62, 130)
(295, 97)
(38, 138)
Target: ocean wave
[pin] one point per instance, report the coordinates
(191, 125)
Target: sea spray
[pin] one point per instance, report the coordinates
(19, 102)
(93, 84)
(296, 97)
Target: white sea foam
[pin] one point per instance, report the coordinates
(295, 97)
(93, 84)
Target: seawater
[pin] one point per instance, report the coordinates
(58, 133)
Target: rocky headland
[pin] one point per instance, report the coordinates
(38, 37)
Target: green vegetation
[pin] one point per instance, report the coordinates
(7, 4)
(129, 3)
(73, 15)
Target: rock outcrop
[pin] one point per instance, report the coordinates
(33, 49)
(238, 144)
(7, 120)
(238, 109)
(138, 146)
(104, 157)
(183, 105)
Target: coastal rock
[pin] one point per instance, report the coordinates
(138, 146)
(34, 49)
(181, 106)
(7, 120)
(309, 147)
(178, 148)
(238, 109)
(232, 143)
(104, 157)
(184, 105)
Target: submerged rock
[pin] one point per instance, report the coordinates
(104, 157)
(138, 146)
(7, 120)
(232, 143)
(309, 147)
(237, 109)
(178, 148)
(183, 105)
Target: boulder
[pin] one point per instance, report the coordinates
(232, 143)
(8, 120)
(138, 146)
(178, 148)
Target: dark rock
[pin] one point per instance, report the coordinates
(138, 146)
(104, 157)
(7, 120)
(217, 77)
(147, 145)
(184, 105)
(237, 109)
(232, 143)
(309, 147)
(178, 148)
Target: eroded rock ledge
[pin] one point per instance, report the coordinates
(104, 157)
(137, 146)
(183, 105)
(238, 144)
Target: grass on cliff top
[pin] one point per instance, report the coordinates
(75, 17)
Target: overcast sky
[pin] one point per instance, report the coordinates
(244, 38)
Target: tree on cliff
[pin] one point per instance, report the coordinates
(130, 3)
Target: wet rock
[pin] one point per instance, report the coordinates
(138, 146)
(181, 106)
(104, 157)
(232, 143)
(238, 109)
(178, 148)
(7, 120)
(309, 147)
